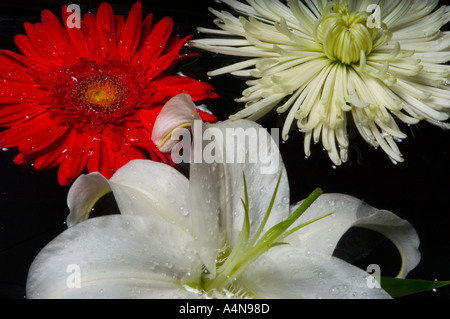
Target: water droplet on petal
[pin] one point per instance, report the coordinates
(335, 290)
(184, 211)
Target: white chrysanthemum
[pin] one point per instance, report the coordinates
(321, 61)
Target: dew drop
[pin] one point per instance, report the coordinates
(184, 211)
(335, 291)
(169, 265)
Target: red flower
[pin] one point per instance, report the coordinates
(89, 96)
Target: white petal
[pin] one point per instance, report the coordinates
(218, 188)
(178, 112)
(115, 257)
(141, 187)
(291, 272)
(83, 195)
(323, 235)
(152, 288)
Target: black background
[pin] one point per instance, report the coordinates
(33, 206)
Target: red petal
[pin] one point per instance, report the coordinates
(134, 153)
(119, 22)
(34, 135)
(115, 139)
(93, 163)
(164, 62)
(106, 167)
(13, 114)
(129, 38)
(58, 37)
(105, 19)
(207, 117)
(25, 92)
(22, 159)
(37, 36)
(148, 116)
(52, 155)
(25, 70)
(167, 86)
(24, 44)
(175, 44)
(155, 42)
(121, 157)
(76, 36)
(13, 66)
(145, 30)
(75, 159)
(144, 141)
(43, 138)
(106, 30)
(92, 37)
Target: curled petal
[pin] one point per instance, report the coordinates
(83, 195)
(141, 188)
(323, 235)
(177, 113)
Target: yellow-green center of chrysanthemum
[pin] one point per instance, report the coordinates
(345, 35)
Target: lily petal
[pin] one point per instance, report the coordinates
(292, 272)
(141, 188)
(323, 235)
(115, 257)
(217, 186)
(82, 196)
(177, 113)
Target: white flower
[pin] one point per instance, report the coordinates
(321, 61)
(212, 236)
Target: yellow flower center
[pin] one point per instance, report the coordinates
(345, 35)
(102, 93)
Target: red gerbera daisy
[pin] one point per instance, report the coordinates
(88, 97)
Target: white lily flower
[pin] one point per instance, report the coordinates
(321, 61)
(216, 235)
